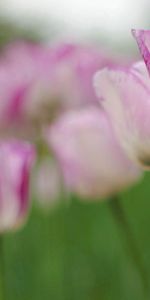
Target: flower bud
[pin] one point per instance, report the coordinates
(16, 160)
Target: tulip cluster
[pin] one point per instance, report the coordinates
(87, 115)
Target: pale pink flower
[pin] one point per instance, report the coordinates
(124, 93)
(39, 82)
(91, 159)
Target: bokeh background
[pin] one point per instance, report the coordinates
(77, 251)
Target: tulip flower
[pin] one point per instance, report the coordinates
(92, 162)
(16, 160)
(124, 93)
(37, 83)
(21, 65)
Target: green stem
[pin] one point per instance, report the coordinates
(122, 220)
(2, 269)
(66, 253)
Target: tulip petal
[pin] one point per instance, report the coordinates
(127, 100)
(16, 160)
(92, 161)
(143, 40)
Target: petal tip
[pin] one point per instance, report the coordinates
(135, 32)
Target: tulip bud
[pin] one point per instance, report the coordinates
(16, 159)
(91, 159)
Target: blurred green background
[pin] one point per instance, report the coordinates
(78, 251)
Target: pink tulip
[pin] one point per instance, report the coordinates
(125, 95)
(16, 160)
(91, 159)
(39, 82)
(143, 40)
(21, 66)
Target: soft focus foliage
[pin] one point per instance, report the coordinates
(47, 183)
(78, 252)
(10, 32)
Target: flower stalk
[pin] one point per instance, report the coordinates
(2, 270)
(133, 250)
